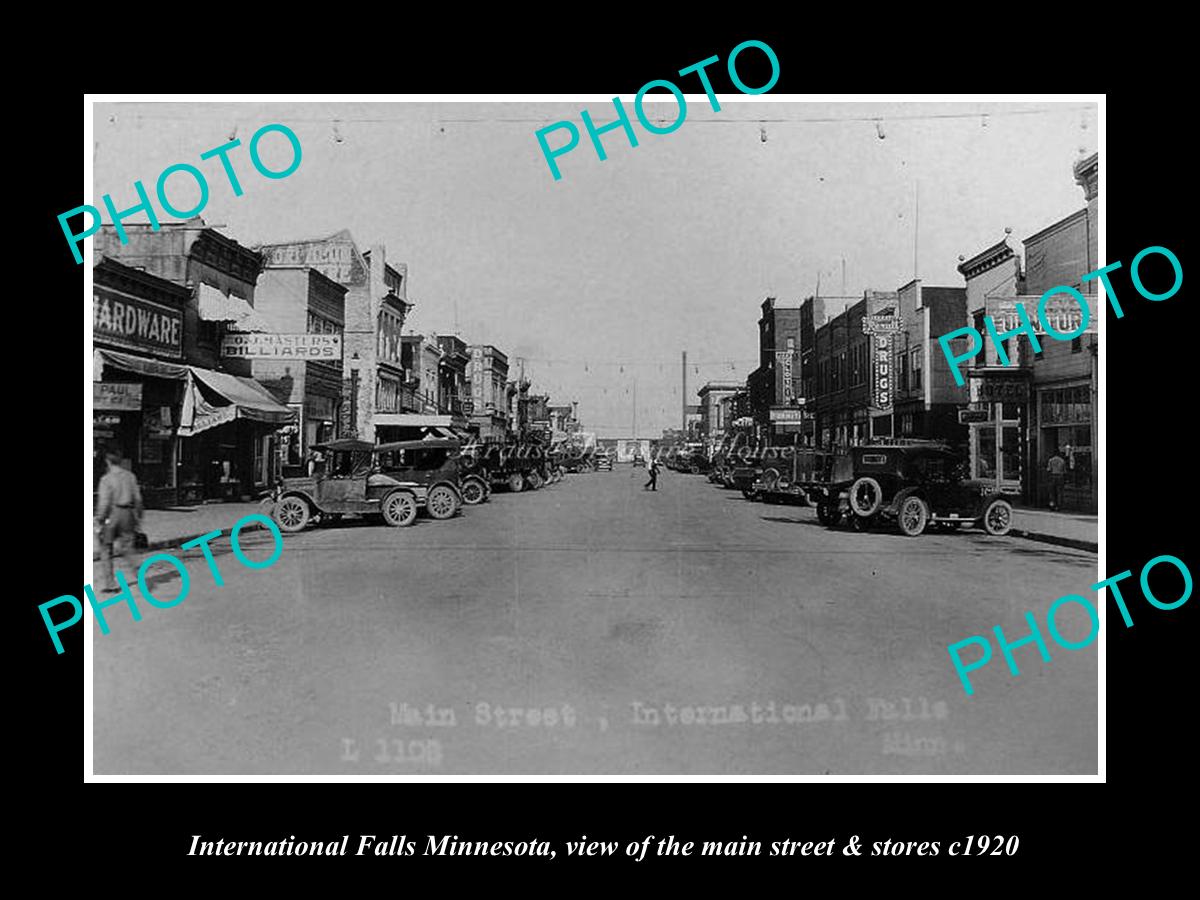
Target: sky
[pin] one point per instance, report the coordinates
(599, 280)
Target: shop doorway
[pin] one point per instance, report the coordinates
(997, 448)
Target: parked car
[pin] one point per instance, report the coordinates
(743, 477)
(604, 461)
(347, 481)
(915, 486)
(638, 459)
(434, 464)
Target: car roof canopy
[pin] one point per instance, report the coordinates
(345, 445)
(427, 444)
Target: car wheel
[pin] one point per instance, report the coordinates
(770, 478)
(292, 514)
(997, 518)
(535, 481)
(442, 502)
(516, 482)
(399, 509)
(913, 516)
(753, 496)
(473, 492)
(866, 496)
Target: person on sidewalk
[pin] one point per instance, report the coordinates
(118, 515)
(652, 469)
(1056, 466)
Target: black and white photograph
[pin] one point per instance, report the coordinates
(651, 436)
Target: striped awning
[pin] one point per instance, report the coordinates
(234, 311)
(214, 398)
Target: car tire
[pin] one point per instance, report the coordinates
(770, 478)
(535, 480)
(752, 496)
(442, 502)
(516, 482)
(291, 514)
(399, 509)
(473, 491)
(866, 496)
(913, 516)
(997, 518)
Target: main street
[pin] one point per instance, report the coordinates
(593, 627)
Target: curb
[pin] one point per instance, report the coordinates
(1076, 543)
(171, 543)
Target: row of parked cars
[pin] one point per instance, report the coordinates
(915, 485)
(395, 482)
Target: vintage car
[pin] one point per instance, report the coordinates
(915, 485)
(517, 465)
(789, 474)
(604, 461)
(346, 480)
(638, 459)
(433, 463)
(743, 477)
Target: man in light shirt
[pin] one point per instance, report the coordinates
(1056, 466)
(118, 514)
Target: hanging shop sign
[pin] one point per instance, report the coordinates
(124, 321)
(282, 346)
(785, 360)
(970, 416)
(881, 371)
(884, 323)
(999, 388)
(786, 414)
(120, 396)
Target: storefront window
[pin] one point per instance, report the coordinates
(916, 369)
(1010, 453)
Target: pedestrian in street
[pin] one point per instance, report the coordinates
(652, 469)
(118, 515)
(1056, 466)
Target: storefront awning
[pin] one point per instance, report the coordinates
(139, 365)
(240, 315)
(410, 420)
(214, 398)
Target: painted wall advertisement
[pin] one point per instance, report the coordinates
(137, 324)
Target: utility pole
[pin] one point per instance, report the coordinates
(683, 423)
(916, 228)
(635, 410)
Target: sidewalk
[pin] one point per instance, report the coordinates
(1067, 529)
(167, 528)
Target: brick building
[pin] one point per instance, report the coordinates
(300, 300)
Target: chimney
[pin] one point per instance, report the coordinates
(378, 285)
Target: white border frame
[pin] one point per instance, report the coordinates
(1101, 424)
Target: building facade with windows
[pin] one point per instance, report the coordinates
(487, 377)
(712, 417)
(376, 306)
(300, 300)
(927, 400)
(852, 374)
(226, 428)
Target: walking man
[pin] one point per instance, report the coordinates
(118, 514)
(652, 469)
(1056, 466)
